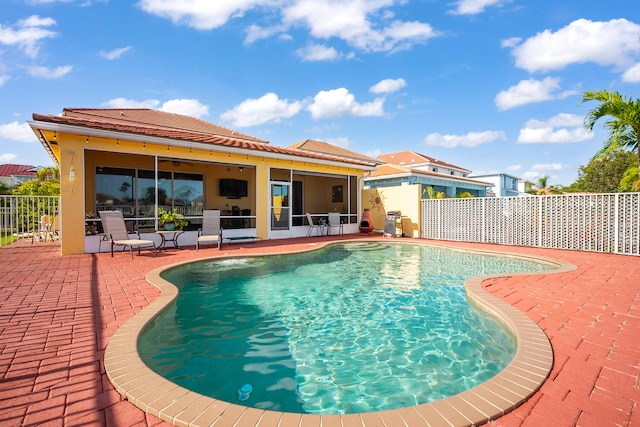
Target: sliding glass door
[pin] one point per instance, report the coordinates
(280, 205)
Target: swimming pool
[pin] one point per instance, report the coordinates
(386, 326)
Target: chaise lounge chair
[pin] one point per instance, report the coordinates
(210, 233)
(116, 231)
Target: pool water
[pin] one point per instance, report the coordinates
(350, 328)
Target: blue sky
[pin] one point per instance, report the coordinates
(488, 85)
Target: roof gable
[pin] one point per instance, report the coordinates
(326, 148)
(155, 119)
(411, 158)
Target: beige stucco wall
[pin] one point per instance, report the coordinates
(404, 198)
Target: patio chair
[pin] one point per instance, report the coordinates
(116, 231)
(312, 225)
(43, 229)
(211, 232)
(334, 222)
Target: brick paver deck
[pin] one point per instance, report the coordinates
(57, 314)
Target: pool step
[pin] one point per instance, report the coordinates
(368, 246)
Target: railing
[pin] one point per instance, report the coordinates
(21, 219)
(586, 222)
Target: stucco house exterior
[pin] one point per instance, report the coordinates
(402, 182)
(137, 160)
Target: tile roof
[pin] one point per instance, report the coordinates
(12, 170)
(391, 169)
(150, 123)
(326, 148)
(155, 119)
(411, 158)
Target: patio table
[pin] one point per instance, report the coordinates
(169, 236)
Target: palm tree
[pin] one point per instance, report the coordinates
(431, 193)
(623, 120)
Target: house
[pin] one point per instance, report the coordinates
(504, 185)
(403, 181)
(139, 160)
(13, 175)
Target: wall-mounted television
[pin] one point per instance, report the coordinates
(233, 188)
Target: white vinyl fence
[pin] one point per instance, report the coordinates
(29, 219)
(586, 222)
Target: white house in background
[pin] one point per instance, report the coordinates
(504, 185)
(525, 187)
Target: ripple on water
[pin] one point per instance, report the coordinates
(347, 329)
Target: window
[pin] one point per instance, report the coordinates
(133, 192)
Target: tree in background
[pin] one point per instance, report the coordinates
(630, 182)
(603, 174)
(622, 120)
(47, 184)
(623, 123)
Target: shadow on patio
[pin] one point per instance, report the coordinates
(57, 314)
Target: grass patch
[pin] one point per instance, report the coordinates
(6, 238)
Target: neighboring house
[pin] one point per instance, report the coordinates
(417, 161)
(14, 175)
(400, 184)
(525, 188)
(136, 160)
(504, 185)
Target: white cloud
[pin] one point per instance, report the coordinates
(471, 139)
(130, 103)
(17, 131)
(514, 168)
(200, 14)
(266, 109)
(365, 25)
(563, 128)
(114, 54)
(473, 7)
(49, 73)
(632, 75)
(7, 157)
(340, 102)
(539, 170)
(543, 169)
(530, 91)
(388, 86)
(615, 42)
(27, 34)
(256, 32)
(3, 79)
(362, 24)
(548, 167)
(317, 52)
(187, 107)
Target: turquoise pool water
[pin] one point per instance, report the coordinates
(350, 328)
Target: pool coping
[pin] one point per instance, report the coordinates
(504, 392)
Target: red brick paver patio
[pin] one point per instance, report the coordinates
(57, 314)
